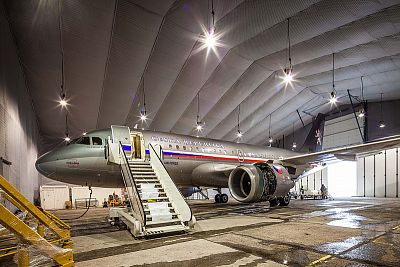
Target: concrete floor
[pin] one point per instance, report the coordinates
(344, 232)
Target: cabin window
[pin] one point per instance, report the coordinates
(177, 147)
(97, 141)
(170, 146)
(85, 140)
(224, 151)
(184, 147)
(197, 148)
(233, 152)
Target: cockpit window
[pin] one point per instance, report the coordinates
(97, 141)
(84, 140)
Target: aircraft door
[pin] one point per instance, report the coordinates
(120, 134)
(137, 152)
(240, 155)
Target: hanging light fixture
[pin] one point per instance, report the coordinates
(143, 115)
(66, 137)
(270, 140)
(239, 134)
(63, 100)
(361, 112)
(288, 71)
(333, 97)
(210, 40)
(381, 122)
(199, 126)
(294, 145)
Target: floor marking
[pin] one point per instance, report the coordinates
(396, 227)
(323, 259)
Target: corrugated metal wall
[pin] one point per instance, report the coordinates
(378, 175)
(19, 136)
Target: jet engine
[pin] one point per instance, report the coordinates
(259, 182)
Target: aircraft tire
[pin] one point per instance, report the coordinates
(273, 203)
(217, 198)
(224, 198)
(284, 201)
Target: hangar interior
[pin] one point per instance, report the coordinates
(305, 77)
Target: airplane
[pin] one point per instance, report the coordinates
(252, 173)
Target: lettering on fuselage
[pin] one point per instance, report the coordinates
(171, 162)
(73, 163)
(185, 142)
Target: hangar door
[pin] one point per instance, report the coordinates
(342, 131)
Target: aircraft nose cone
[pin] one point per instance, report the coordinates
(46, 164)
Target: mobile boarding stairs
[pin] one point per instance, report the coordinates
(157, 206)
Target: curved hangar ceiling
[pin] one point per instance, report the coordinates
(111, 47)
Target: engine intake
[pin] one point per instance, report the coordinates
(259, 182)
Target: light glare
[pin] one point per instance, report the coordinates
(143, 117)
(210, 40)
(288, 78)
(199, 127)
(239, 134)
(63, 102)
(67, 139)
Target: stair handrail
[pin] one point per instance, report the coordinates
(137, 207)
(174, 194)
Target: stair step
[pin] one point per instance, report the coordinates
(142, 169)
(150, 223)
(159, 192)
(143, 173)
(145, 176)
(156, 185)
(155, 198)
(165, 229)
(145, 181)
(160, 189)
(140, 166)
(146, 206)
(171, 210)
(151, 198)
(173, 214)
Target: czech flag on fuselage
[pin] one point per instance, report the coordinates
(278, 169)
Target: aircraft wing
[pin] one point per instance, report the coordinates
(344, 153)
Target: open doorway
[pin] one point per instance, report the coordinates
(342, 179)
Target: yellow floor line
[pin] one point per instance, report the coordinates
(324, 258)
(396, 227)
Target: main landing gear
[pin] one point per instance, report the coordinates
(282, 201)
(220, 198)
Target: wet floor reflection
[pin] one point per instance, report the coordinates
(338, 247)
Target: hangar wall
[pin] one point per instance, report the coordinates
(19, 135)
(378, 175)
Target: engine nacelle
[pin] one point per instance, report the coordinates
(259, 182)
